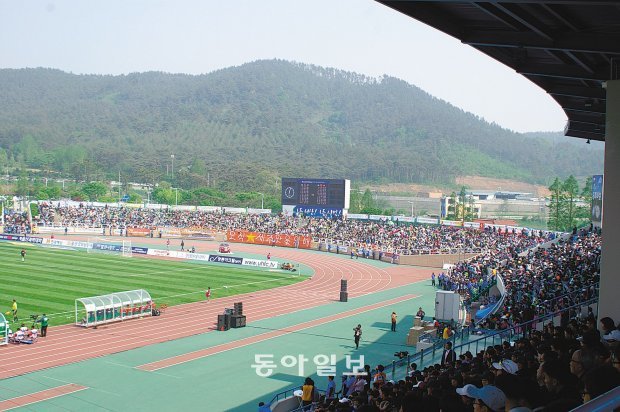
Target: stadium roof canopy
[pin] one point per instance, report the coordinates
(567, 47)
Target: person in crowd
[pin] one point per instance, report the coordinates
(486, 399)
(307, 394)
(449, 356)
(330, 391)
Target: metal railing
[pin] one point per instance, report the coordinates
(466, 338)
(609, 401)
(287, 393)
(474, 297)
(521, 330)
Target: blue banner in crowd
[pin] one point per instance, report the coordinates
(226, 259)
(318, 211)
(21, 238)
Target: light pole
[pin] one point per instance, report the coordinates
(412, 207)
(172, 168)
(262, 200)
(176, 196)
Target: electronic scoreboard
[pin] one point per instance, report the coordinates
(323, 193)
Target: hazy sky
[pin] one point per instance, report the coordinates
(199, 36)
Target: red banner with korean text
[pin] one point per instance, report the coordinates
(244, 236)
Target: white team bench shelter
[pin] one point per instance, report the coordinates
(4, 330)
(97, 310)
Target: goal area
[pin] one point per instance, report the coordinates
(109, 246)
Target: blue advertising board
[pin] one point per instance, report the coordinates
(318, 211)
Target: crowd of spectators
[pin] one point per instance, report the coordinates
(548, 280)
(16, 222)
(381, 235)
(555, 369)
(472, 277)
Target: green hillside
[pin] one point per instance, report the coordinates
(242, 128)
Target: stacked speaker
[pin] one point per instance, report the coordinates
(238, 318)
(223, 322)
(344, 295)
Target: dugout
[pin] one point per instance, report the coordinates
(97, 310)
(4, 330)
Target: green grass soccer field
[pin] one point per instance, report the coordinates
(50, 280)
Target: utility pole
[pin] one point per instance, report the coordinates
(411, 203)
(262, 200)
(119, 186)
(172, 157)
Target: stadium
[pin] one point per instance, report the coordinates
(321, 305)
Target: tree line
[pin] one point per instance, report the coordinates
(242, 129)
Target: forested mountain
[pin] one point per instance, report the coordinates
(244, 127)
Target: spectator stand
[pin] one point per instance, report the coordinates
(4, 330)
(465, 340)
(97, 310)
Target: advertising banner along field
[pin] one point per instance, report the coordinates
(244, 236)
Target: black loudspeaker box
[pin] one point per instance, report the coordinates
(238, 321)
(344, 296)
(223, 322)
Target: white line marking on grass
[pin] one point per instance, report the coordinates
(161, 272)
(71, 313)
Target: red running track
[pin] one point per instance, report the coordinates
(69, 343)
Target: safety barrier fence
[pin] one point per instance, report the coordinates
(469, 339)
(609, 401)
(288, 393)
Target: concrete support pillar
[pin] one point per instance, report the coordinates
(609, 302)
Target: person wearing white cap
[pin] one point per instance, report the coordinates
(487, 398)
(506, 366)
